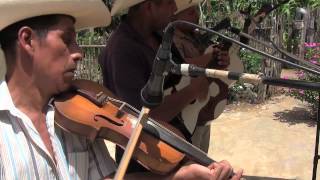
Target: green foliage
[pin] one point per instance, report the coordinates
(251, 61)
(92, 44)
(312, 97)
(87, 37)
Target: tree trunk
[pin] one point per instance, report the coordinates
(272, 30)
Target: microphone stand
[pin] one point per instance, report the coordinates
(179, 22)
(316, 147)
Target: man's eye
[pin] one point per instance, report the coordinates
(67, 41)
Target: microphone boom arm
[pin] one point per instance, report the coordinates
(192, 70)
(179, 22)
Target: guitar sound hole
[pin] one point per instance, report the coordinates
(192, 102)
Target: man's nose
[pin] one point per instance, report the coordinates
(78, 54)
(77, 57)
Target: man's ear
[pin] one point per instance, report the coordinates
(26, 39)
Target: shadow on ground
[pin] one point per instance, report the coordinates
(296, 115)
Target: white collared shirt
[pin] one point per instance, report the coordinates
(24, 156)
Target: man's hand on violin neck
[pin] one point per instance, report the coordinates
(191, 171)
(223, 170)
(215, 171)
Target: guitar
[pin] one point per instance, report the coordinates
(202, 112)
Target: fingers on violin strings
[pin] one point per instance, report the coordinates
(216, 171)
(219, 171)
(238, 175)
(227, 170)
(212, 165)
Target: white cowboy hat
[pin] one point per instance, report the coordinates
(185, 4)
(88, 13)
(123, 5)
(120, 6)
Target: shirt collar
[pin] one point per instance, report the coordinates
(6, 102)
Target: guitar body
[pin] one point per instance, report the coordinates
(214, 104)
(203, 112)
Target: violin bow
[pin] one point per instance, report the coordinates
(143, 117)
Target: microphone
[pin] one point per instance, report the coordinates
(192, 70)
(152, 92)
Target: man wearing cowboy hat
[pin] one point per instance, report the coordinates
(38, 39)
(41, 53)
(128, 58)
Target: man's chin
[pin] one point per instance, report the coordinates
(65, 86)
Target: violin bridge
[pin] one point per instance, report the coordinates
(102, 98)
(120, 112)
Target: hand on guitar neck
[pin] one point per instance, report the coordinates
(217, 59)
(220, 56)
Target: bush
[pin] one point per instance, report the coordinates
(312, 54)
(251, 61)
(241, 91)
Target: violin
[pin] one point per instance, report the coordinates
(91, 110)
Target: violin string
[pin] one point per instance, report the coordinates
(157, 124)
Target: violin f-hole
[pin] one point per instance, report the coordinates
(103, 118)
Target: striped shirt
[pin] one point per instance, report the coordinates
(24, 156)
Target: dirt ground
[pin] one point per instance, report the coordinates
(275, 139)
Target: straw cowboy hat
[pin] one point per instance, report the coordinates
(88, 13)
(123, 5)
(185, 4)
